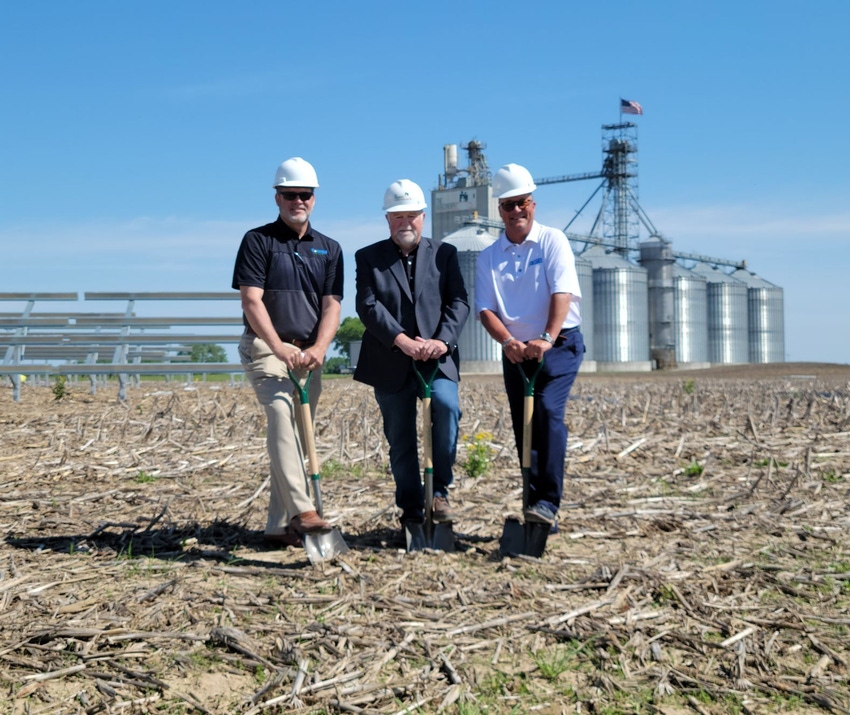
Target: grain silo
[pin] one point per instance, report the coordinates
(584, 271)
(690, 317)
(656, 256)
(478, 351)
(728, 321)
(766, 311)
(620, 312)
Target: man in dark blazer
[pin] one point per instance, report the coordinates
(413, 303)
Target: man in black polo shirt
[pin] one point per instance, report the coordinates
(290, 279)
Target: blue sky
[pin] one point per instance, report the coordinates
(138, 140)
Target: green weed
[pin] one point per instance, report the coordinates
(694, 469)
(554, 662)
(479, 455)
(334, 469)
(60, 387)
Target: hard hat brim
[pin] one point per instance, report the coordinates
(400, 208)
(301, 185)
(518, 192)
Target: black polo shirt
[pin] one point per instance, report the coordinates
(294, 274)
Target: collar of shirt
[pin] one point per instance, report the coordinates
(287, 234)
(412, 253)
(533, 236)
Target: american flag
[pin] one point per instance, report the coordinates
(627, 107)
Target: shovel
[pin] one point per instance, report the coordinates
(322, 545)
(428, 535)
(527, 539)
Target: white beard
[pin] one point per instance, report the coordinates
(405, 240)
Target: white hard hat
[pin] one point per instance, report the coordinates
(512, 180)
(404, 195)
(296, 172)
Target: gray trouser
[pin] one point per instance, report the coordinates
(290, 493)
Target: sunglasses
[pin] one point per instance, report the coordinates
(305, 196)
(520, 204)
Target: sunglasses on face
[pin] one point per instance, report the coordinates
(305, 196)
(520, 204)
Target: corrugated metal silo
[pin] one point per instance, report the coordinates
(728, 320)
(690, 316)
(478, 351)
(656, 256)
(620, 312)
(584, 270)
(766, 312)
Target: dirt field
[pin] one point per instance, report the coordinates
(702, 563)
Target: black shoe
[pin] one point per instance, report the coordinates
(539, 514)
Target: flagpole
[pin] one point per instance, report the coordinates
(621, 110)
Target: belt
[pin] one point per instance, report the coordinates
(292, 341)
(562, 336)
(297, 343)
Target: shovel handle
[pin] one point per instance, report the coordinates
(427, 439)
(528, 411)
(429, 383)
(309, 437)
(427, 443)
(527, 414)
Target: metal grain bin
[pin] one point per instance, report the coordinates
(690, 316)
(766, 313)
(728, 320)
(656, 256)
(478, 351)
(584, 270)
(620, 311)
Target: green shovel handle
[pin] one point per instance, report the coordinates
(529, 381)
(429, 383)
(303, 390)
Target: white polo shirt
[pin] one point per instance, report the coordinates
(516, 281)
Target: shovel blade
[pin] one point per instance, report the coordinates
(414, 536)
(523, 539)
(443, 538)
(513, 538)
(324, 545)
(535, 539)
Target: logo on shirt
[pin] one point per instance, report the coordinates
(319, 251)
(535, 262)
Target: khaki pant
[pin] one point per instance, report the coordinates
(290, 492)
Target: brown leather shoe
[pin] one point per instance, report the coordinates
(308, 522)
(441, 510)
(288, 537)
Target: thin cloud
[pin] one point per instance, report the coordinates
(224, 88)
(137, 236)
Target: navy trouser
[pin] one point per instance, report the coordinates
(549, 432)
(398, 410)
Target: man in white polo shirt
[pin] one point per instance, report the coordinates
(527, 297)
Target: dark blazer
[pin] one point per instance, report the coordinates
(384, 303)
